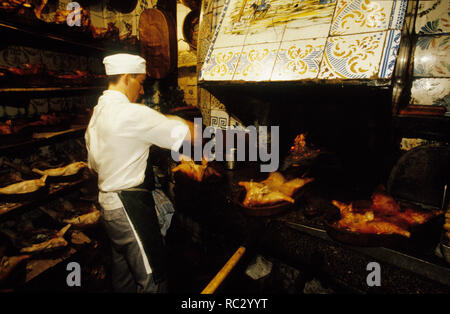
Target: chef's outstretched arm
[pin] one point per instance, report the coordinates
(190, 136)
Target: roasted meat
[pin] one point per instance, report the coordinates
(68, 170)
(276, 182)
(51, 241)
(38, 9)
(81, 16)
(28, 69)
(272, 190)
(195, 171)
(365, 222)
(383, 216)
(260, 194)
(8, 263)
(47, 119)
(79, 215)
(23, 187)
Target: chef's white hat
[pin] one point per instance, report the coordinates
(124, 63)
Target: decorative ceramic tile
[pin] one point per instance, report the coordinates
(361, 16)
(431, 56)
(219, 118)
(398, 14)
(309, 19)
(216, 104)
(256, 62)
(298, 60)
(352, 56)
(390, 53)
(218, 3)
(204, 37)
(221, 65)
(232, 27)
(431, 91)
(216, 13)
(433, 17)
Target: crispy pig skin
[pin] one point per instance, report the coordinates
(272, 190)
(23, 187)
(70, 169)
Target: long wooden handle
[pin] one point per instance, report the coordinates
(223, 273)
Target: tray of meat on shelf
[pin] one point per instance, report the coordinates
(272, 196)
(12, 264)
(28, 75)
(66, 173)
(73, 78)
(51, 122)
(14, 131)
(384, 221)
(80, 214)
(36, 234)
(24, 190)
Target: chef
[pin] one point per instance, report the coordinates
(118, 139)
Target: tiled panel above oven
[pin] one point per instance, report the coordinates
(279, 40)
(298, 60)
(432, 17)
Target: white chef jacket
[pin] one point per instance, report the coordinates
(118, 139)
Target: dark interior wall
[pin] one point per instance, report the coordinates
(354, 122)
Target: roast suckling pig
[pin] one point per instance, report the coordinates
(23, 187)
(365, 222)
(195, 171)
(273, 190)
(28, 69)
(55, 240)
(78, 214)
(68, 170)
(8, 263)
(384, 216)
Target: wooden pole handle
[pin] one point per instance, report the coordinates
(223, 273)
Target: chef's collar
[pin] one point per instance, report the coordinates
(118, 95)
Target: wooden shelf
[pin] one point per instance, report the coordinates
(30, 31)
(42, 139)
(35, 267)
(11, 90)
(7, 209)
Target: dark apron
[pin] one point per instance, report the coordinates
(140, 208)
